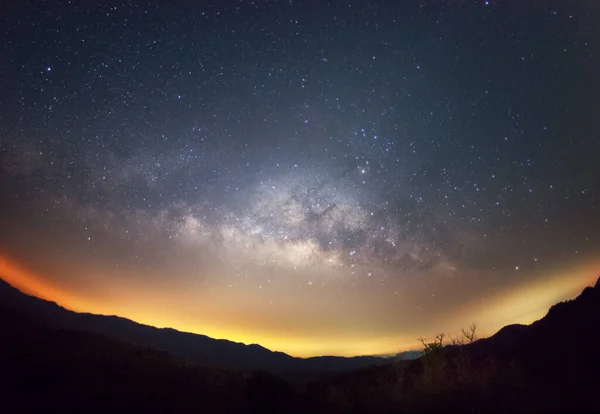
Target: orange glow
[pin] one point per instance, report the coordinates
(184, 308)
(32, 284)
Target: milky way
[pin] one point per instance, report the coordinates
(319, 171)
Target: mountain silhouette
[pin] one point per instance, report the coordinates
(551, 365)
(195, 348)
(569, 329)
(55, 360)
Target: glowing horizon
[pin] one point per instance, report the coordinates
(523, 305)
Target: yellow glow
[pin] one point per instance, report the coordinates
(179, 308)
(528, 303)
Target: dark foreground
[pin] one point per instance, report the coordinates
(552, 365)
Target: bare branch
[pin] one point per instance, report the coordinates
(470, 334)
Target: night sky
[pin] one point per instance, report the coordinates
(317, 177)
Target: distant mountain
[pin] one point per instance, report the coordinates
(193, 347)
(407, 355)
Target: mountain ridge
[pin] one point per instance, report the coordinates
(551, 365)
(198, 348)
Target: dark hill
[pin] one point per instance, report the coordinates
(564, 340)
(195, 348)
(552, 365)
(51, 362)
(66, 371)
